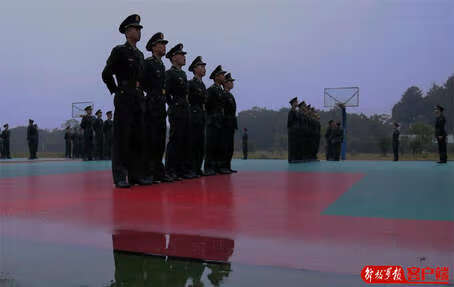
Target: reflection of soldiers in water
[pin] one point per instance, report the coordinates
(143, 270)
(219, 271)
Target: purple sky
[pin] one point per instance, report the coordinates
(53, 51)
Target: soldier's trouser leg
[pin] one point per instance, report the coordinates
(156, 136)
(197, 144)
(442, 150)
(396, 151)
(292, 144)
(88, 147)
(30, 148)
(138, 160)
(230, 146)
(171, 153)
(244, 152)
(212, 139)
(99, 146)
(121, 139)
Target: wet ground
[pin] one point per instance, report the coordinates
(314, 224)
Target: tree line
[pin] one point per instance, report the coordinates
(267, 128)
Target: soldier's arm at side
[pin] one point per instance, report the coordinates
(108, 72)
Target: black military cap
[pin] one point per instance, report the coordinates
(197, 62)
(216, 72)
(98, 112)
(228, 78)
(109, 113)
(396, 124)
(155, 39)
(30, 120)
(295, 99)
(5, 125)
(440, 108)
(88, 108)
(178, 49)
(302, 104)
(132, 20)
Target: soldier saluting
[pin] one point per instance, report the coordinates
(126, 63)
(155, 114)
(440, 133)
(197, 99)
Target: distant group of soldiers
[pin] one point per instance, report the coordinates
(5, 142)
(202, 121)
(334, 136)
(93, 140)
(304, 129)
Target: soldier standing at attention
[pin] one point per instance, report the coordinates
(68, 142)
(396, 134)
(155, 113)
(75, 143)
(318, 134)
(292, 126)
(98, 128)
(215, 113)
(245, 139)
(178, 163)
(230, 124)
(126, 62)
(87, 125)
(197, 100)
(80, 136)
(440, 133)
(108, 133)
(6, 136)
(32, 138)
(337, 139)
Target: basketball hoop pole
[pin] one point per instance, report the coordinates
(344, 131)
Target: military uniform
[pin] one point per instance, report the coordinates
(99, 134)
(6, 141)
(395, 142)
(329, 146)
(68, 138)
(292, 130)
(229, 127)
(214, 110)
(87, 124)
(336, 140)
(245, 143)
(178, 157)
(80, 141)
(32, 139)
(197, 100)
(155, 116)
(126, 62)
(440, 134)
(108, 133)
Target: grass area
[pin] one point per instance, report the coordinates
(356, 156)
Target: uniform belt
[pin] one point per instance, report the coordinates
(128, 84)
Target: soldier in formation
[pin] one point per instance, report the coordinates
(32, 139)
(68, 139)
(303, 126)
(107, 130)
(6, 134)
(202, 121)
(440, 134)
(98, 124)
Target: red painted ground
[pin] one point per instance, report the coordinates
(262, 218)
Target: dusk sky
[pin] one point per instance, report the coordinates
(53, 51)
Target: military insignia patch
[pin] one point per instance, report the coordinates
(138, 18)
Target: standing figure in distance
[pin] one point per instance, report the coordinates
(126, 62)
(6, 134)
(329, 146)
(337, 139)
(98, 128)
(197, 100)
(108, 133)
(244, 143)
(32, 138)
(396, 134)
(292, 129)
(440, 134)
(87, 125)
(155, 112)
(68, 138)
(230, 124)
